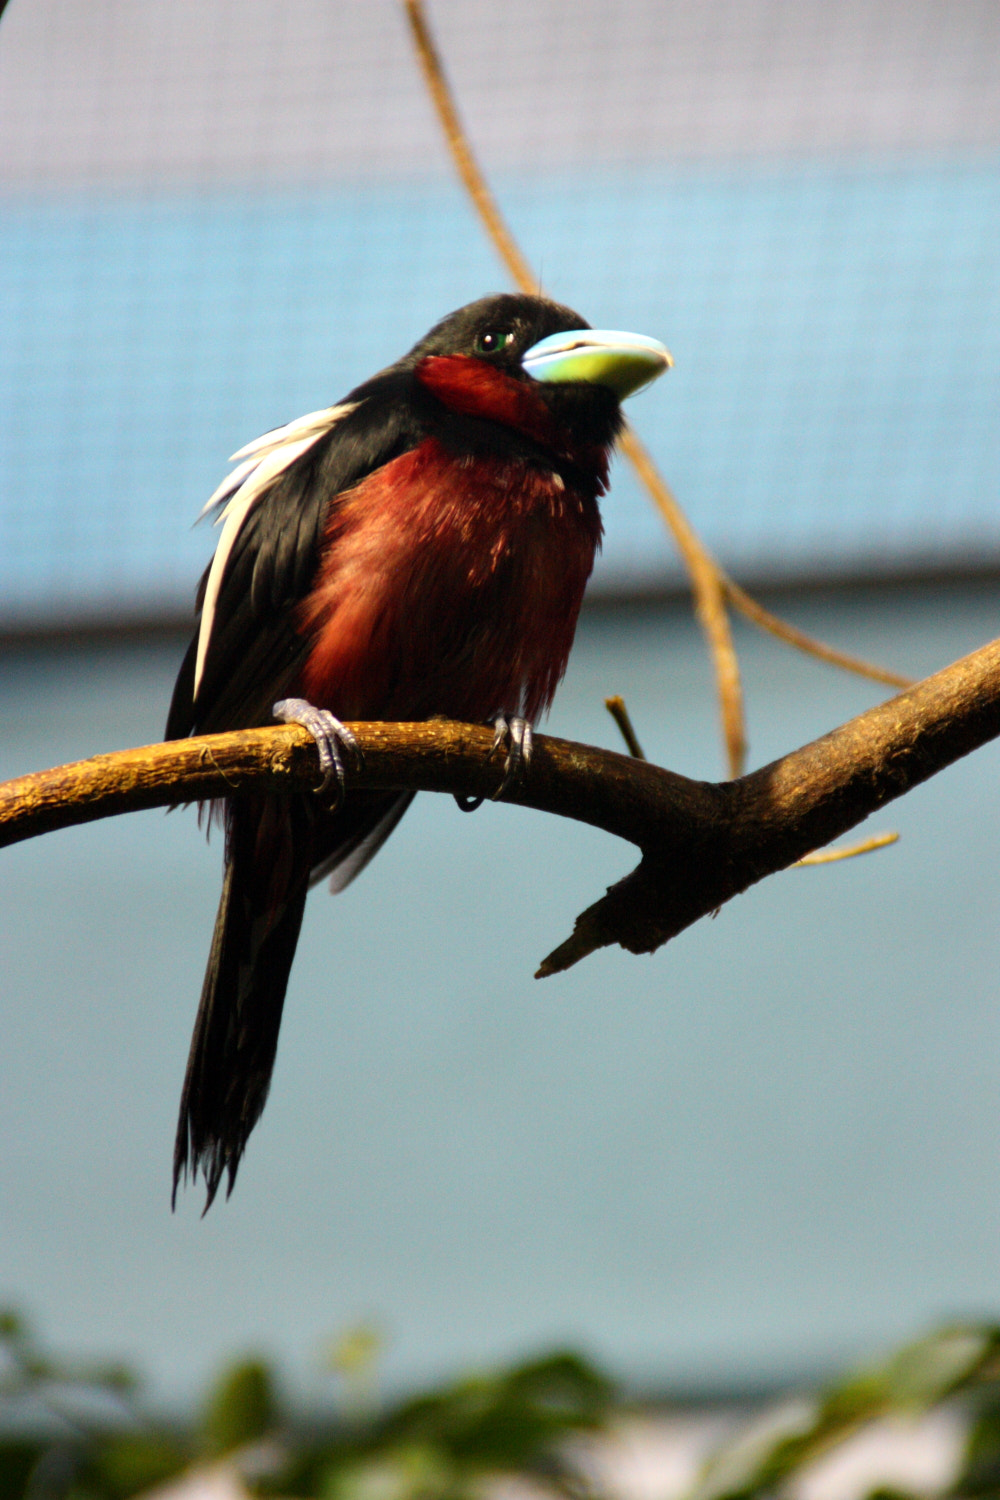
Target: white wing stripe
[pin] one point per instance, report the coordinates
(315, 422)
(234, 520)
(229, 484)
(269, 456)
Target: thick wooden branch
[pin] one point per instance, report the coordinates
(766, 820)
(701, 842)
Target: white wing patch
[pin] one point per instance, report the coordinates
(262, 462)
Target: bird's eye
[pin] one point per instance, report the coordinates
(492, 341)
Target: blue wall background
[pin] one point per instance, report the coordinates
(770, 1147)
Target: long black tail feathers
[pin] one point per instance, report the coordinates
(274, 848)
(235, 1036)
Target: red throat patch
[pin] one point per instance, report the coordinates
(472, 388)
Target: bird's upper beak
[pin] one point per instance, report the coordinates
(624, 362)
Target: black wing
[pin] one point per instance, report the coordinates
(255, 651)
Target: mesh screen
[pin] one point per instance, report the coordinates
(218, 214)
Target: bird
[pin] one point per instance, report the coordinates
(419, 550)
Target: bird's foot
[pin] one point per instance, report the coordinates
(516, 736)
(333, 739)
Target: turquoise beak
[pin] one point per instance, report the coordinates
(624, 362)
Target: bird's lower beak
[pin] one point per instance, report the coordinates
(624, 362)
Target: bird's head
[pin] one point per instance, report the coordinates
(536, 368)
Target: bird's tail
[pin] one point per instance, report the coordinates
(269, 844)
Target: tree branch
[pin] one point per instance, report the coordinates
(702, 842)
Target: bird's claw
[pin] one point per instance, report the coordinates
(516, 734)
(465, 803)
(333, 739)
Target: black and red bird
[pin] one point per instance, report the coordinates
(419, 550)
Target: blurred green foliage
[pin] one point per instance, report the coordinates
(77, 1433)
(960, 1361)
(242, 1409)
(72, 1431)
